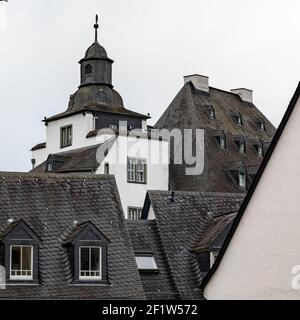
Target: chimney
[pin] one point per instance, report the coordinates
(245, 94)
(199, 82)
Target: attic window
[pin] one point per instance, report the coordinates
(21, 262)
(259, 151)
(242, 179)
(211, 113)
(239, 120)
(66, 136)
(90, 263)
(146, 262)
(262, 126)
(222, 142)
(49, 166)
(242, 147)
(88, 69)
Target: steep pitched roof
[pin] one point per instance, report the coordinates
(146, 239)
(184, 221)
(49, 204)
(188, 110)
(251, 191)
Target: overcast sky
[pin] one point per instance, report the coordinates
(237, 43)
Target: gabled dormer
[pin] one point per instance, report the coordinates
(19, 246)
(87, 247)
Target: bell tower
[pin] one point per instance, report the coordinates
(96, 67)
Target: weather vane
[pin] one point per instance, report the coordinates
(96, 26)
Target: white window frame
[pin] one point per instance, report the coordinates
(100, 264)
(134, 215)
(133, 170)
(21, 277)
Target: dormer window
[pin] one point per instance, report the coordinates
(242, 179)
(222, 143)
(49, 166)
(88, 69)
(242, 148)
(19, 250)
(260, 151)
(211, 112)
(239, 119)
(90, 263)
(87, 250)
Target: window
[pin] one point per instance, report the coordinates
(88, 69)
(89, 263)
(259, 151)
(211, 113)
(242, 179)
(21, 262)
(222, 143)
(106, 168)
(49, 166)
(146, 262)
(134, 213)
(136, 170)
(66, 136)
(113, 126)
(242, 147)
(262, 126)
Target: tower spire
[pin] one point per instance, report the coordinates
(96, 26)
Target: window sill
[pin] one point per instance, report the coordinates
(135, 182)
(86, 283)
(21, 283)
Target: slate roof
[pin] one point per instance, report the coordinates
(49, 204)
(251, 191)
(188, 110)
(77, 160)
(146, 239)
(184, 225)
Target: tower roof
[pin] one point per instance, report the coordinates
(96, 51)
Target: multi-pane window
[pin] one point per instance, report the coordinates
(90, 263)
(134, 213)
(66, 136)
(242, 179)
(21, 262)
(136, 170)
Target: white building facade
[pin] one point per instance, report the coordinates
(95, 116)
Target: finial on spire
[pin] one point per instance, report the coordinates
(96, 26)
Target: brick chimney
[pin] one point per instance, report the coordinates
(245, 94)
(199, 82)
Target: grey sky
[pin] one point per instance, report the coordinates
(254, 44)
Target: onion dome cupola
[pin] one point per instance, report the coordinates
(96, 67)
